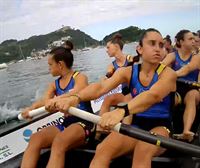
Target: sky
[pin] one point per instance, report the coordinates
(21, 19)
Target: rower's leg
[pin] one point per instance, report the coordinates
(72, 136)
(38, 141)
(144, 152)
(114, 145)
(191, 101)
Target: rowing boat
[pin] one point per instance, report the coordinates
(14, 140)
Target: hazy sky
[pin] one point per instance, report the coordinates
(20, 19)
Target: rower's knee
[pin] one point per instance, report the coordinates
(35, 141)
(141, 150)
(101, 157)
(101, 148)
(59, 145)
(192, 95)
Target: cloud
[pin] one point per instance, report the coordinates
(23, 18)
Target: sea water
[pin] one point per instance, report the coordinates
(24, 82)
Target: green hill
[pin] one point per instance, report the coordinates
(13, 49)
(129, 34)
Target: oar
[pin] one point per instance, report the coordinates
(32, 113)
(190, 83)
(146, 136)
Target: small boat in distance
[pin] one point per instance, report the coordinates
(3, 66)
(86, 49)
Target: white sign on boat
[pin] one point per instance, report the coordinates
(16, 142)
(96, 104)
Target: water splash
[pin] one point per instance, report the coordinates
(8, 110)
(38, 93)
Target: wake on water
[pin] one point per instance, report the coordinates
(10, 109)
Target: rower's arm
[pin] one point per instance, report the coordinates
(96, 90)
(169, 59)
(194, 64)
(110, 71)
(163, 87)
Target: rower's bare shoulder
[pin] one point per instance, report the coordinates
(125, 70)
(196, 57)
(51, 86)
(81, 78)
(125, 73)
(172, 55)
(169, 59)
(170, 73)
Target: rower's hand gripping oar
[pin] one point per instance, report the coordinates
(33, 113)
(73, 111)
(192, 150)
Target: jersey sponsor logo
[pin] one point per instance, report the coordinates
(134, 91)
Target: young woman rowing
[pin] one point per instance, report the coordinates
(73, 131)
(187, 66)
(114, 49)
(150, 86)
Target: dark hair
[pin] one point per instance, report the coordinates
(63, 54)
(198, 32)
(117, 39)
(168, 39)
(195, 34)
(145, 33)
(180, 36)
(69, 44)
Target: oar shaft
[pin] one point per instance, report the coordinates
(88, 116)
(158, 140)
(73, 111)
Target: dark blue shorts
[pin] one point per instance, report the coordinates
(183, 89)
(86, 125)
(150, 123)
